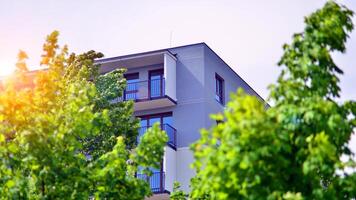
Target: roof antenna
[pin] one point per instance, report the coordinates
(170, 39)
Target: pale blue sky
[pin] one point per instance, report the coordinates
(248, 35)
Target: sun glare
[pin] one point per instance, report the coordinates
(6, 67)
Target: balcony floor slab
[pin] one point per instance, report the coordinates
(154, 103)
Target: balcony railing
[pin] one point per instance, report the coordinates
(171, 133)
(156, 181)
(144, 90)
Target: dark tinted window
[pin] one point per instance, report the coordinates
(219, 89)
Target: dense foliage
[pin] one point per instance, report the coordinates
(63, 137)
(177, 193)
(292, 150)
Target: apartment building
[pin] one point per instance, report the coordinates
(178, 87)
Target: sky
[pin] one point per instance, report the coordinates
(248, 35)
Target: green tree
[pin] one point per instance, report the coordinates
(109, 87)
(177, 193)
(292, 150)
(48, 120)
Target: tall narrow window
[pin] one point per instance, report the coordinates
(131, 90)
(156, 83)
(219, 89)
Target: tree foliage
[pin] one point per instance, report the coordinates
(292, 150)
(62, 136)
(177, 193)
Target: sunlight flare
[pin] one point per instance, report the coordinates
(6, 67)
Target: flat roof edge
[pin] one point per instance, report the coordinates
(166, 50)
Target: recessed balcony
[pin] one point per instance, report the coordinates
(151, 78)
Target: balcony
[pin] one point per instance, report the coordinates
(144, 90)
(156, 181)
(171, 133)
(148, 92)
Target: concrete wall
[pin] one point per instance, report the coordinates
(169, 167)
(170, 76)
(184, 171)
(213, 64)
(188, 114)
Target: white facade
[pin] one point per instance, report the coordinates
(170, 76)
(170, 167)
(185, 172)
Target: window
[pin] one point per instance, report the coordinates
(219, 89)
(156, 83)
(131, 90)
